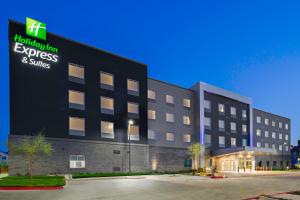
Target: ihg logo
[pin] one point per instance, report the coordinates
(35, 28)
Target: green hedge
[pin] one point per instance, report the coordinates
(32, 181)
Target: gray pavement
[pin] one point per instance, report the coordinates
(164, 187)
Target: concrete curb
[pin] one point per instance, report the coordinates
(33, 188)
(111, 177)
(269, 196)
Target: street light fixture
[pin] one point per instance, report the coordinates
(130, 122)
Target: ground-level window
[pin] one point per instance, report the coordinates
(244, 142)
(107, 129)
(76, 126)
(133, 132)
(221, 141)
(187, 138)
(170, 137)
(233, 142)
(77, 161)
(207, 139)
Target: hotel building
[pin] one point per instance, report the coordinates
(102, 113)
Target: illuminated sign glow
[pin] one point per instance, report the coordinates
(34, 52)
(35, 28)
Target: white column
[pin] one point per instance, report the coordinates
(253, 163)
(236, 163)
(202, 158)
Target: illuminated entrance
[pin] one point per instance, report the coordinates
(238, 159)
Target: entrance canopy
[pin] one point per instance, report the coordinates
(244, 150)
(239, 159)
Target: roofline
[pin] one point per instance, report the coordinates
(86, 45)
(171, 84)
(272, 113)
(223, 92)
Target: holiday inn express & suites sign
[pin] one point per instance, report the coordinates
(33, 48)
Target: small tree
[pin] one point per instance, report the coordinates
(31, 148)
(194, 151)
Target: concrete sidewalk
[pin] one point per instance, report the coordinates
(260, 173)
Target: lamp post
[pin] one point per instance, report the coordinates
(130, 122)
(282, 154)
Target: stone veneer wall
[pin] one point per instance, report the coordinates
(99, 157)
(167, 158)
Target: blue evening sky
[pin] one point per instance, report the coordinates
(249, 47)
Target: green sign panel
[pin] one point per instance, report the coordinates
(35, 28)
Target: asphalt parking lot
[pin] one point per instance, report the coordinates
(163, 187)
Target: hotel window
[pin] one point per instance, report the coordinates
(280, 125)
(107, 129)
(286, 137)
(233, 111)
(266, 145)
(266, 121)
(151, 95)
(186, 120)
(286, 126)
(133, 108)
(77, 161)
(221, 125)
(207, 105)
(274, 163)
(170, 117)
(258, 119)
(170, 99)
(273, 123)
(207, 139)
(273, 135)
(280, 136)
(273, 146)
(76, 72)
(133, 132)
(221, 141)
(258, 132)
(151, 114)
(207, 123)
(244, 114)
(233, 142)
(244, 142)
(187, 103)
(133, 87)
(107, 105)
(258, 144)
(76, 99)
(266, 134)
(106, 80)
(233, 127)
(170, 137)
(286, 148)
(187, 138)
(280, 147)
(151, 135)
(76, 126)
(244, 127)
(221, 108)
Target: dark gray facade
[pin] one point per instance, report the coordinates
(216, 117)
(169, 154)
(272, 131)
